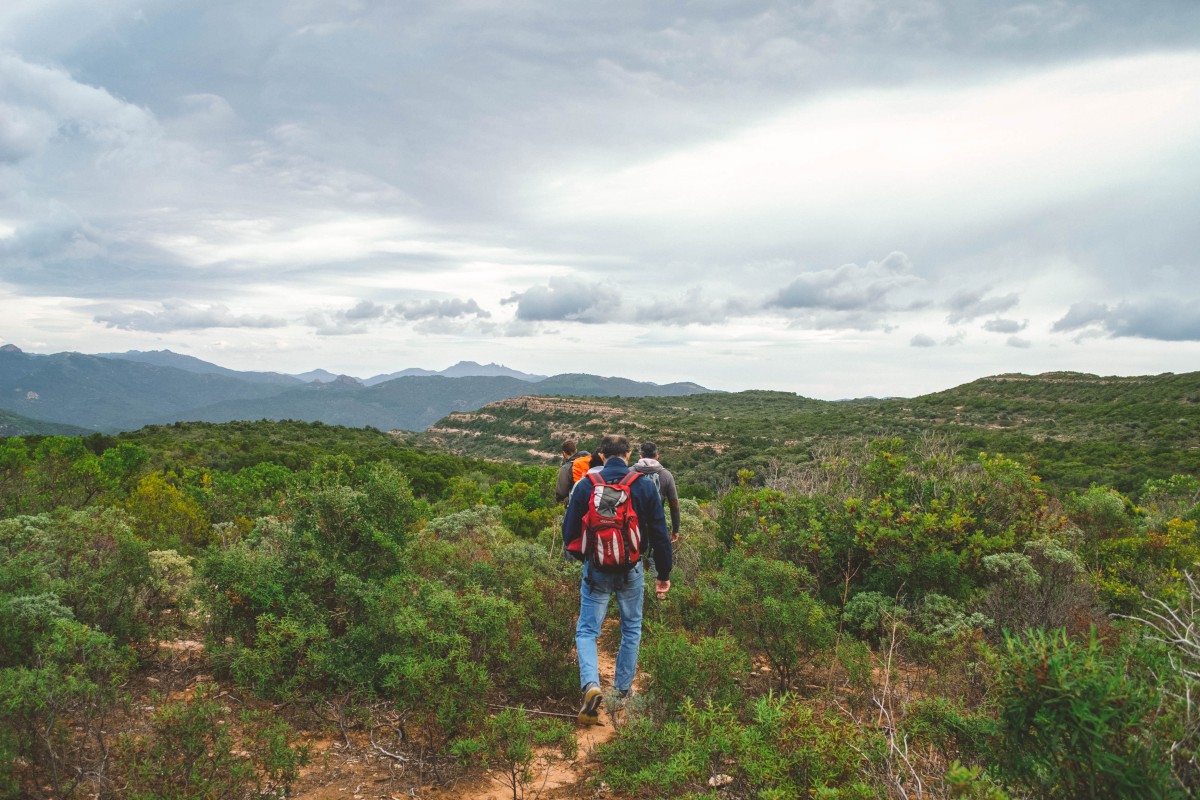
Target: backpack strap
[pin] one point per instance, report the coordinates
(595, 478)
(629, 478)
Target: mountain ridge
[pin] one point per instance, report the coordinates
(125, 391)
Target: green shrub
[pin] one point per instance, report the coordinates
(771, 613)
(870, 615)
(89, 559)
(443, 652)
(507, 745)
(56, 692)
(784, 750)
(194, 753)
(946, 725)
(675, 668)
(1075, 721)
(1046, 586)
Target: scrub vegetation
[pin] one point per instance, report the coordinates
(894, 616)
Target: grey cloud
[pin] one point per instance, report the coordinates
(1081, 315)
(922, 340)
(435, 309)
(967, 305)
(177, 315)
(43, 104)
(850, 296)
(61, 232)
(1004, 326)
(1168, 320)
(849, 287)
(1016, 341)
(566, 299)
(429, 314)
(365, 310)
(693, 307)
(61, 253)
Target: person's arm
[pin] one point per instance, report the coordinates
(572, 524)
(671, 495)
(653, 523)
(562, 486)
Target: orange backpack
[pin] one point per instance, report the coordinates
(579, 466)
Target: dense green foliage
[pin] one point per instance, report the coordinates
(899, 613)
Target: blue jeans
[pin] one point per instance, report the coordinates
(594, 592)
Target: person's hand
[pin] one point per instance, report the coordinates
(661, 588)
(674, 540)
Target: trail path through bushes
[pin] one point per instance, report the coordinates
(556, 780)
(338, 772)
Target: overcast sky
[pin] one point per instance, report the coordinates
(841, 198)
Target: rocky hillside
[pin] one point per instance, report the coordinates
(1077, 428)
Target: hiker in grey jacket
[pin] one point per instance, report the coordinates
(663, 479)
(565, 481)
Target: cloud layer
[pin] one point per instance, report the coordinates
(829, 197)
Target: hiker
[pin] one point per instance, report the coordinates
(566, 473)
(592, 497)
(663, 479)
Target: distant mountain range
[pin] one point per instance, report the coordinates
(113, 392)
(463, 369)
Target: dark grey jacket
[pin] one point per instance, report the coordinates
(562, 486)
(665, 482)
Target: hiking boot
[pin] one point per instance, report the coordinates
(589, 712)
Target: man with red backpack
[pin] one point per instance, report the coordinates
(612, 518)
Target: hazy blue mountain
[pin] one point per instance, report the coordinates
(167, 358)
(317, 375)
(413, 402)
(463, 369)
(411, 372)
(110, 394)
(596, 386)
(126, 391)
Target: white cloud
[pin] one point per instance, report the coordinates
(176, 315)
(934, 158)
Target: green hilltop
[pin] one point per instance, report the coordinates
(1077, 429)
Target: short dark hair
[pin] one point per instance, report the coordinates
(568, 447)
(614, 444)
(649, 450)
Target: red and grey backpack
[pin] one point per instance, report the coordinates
(611, 540)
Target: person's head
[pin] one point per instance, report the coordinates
(649, 450)
(614, 444)
(596, 460)
(568, 448)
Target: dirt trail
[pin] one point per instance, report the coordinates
(338, 772)
(558, 780)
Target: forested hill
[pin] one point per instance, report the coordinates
(12, 424)
(1078, 429)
